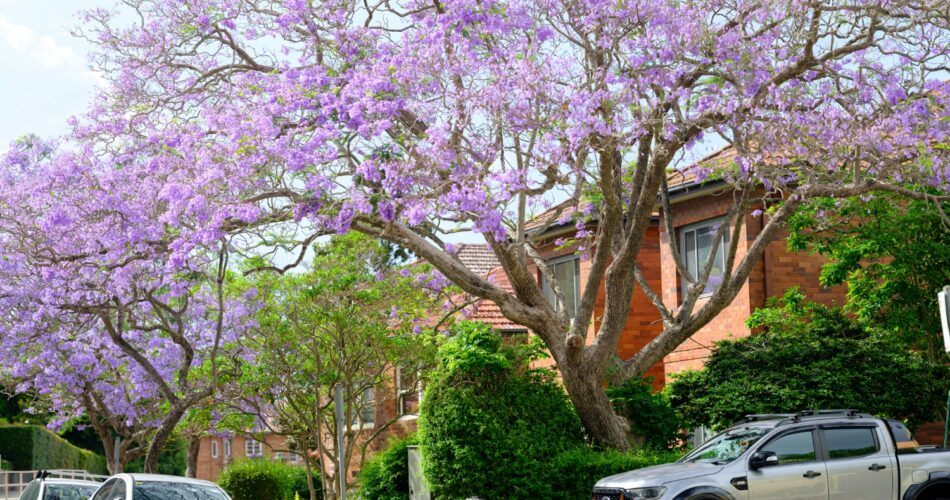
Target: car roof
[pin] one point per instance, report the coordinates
(148, 478)
(77, 482)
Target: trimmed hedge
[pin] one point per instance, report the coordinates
(256, 479)
(385, 476)
(29, 447)
(572, 474)
(489, 424)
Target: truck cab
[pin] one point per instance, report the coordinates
(828, 455)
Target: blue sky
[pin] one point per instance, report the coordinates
(44, 77)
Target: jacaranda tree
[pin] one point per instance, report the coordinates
(276, 122)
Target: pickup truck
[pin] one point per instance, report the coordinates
(827, 455)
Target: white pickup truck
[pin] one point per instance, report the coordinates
(827, 455)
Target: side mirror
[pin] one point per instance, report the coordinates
(761, 459)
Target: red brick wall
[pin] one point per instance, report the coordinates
(776, 271)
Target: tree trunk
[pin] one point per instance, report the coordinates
(587, 391)
(161, 437)
(194, 446)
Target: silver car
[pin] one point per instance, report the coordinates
(59, 489)
(826, 455)
(158, 487)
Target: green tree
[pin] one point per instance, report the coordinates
(490, 425)
(350, 321)
(810, 357)
(894, 255)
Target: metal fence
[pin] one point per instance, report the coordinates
(12, 483)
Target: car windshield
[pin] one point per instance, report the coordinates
(727, 446)
(161, 490)
(68, 491)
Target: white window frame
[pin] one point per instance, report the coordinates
(227, 448)
(253, 448)
(723, 249)
(214, 448)
(549, 291)
(402, 394)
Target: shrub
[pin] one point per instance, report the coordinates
(488, 424)
(256, 479)
(30, 447)
(385, 476)
(810, 357)
(572, 474)
(651, 417)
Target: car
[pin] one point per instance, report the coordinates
(158, 487)
(44, 488)
(826, 454)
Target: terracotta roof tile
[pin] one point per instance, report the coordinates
(478, 257)
(488, 312)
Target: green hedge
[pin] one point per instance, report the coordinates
(29, 447)
(256, 479)
(385, 476)
(572, 474)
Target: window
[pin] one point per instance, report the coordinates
(409, 387)
(368, 407)
(103, 492)
(118, 491)
(227, 447)
(214, 448)
(850, 442)
(252, 448)
(793, 448)
(32, 491)
(567, 272)
(696, 242)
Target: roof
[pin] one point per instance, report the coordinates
(680, 182)
(162, 478)
(477, 257)
(74, 482)
(488, 312)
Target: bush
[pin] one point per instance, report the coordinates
(651, 417)
(489, 425)
(30, 447)
(810, 357)
(572, 474)
(256, 479)
(385, 476)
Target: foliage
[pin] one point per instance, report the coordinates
(488, 424)
(894, 255)
(350, 321)
(810, 357)
(652, 418)
(261, 478)
(34, 448)
(287, 121)
(572, 474)
(385, 476)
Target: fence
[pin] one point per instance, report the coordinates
(12, 483)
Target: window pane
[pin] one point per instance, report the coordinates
(792, 448)
(368, 407)
(565, 272)
(846, 443)
(689, 252)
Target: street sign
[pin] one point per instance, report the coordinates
(944, 299)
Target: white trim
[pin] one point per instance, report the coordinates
(549, 292)
(214, 448)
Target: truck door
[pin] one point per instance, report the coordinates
(799, 474)
(858, 465)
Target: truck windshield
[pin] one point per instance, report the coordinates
(727, 446)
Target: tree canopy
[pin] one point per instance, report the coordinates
(225, 127)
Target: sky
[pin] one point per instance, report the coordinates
(44, 76)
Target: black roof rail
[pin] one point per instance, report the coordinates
(763, 416)
(849, 413)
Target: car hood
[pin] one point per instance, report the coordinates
(658, 475)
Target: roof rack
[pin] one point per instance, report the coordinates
(763, 416)
(824, 414)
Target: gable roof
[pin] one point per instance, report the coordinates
(478, 257)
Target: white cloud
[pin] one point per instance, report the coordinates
(40, 48)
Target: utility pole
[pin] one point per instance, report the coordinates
(340, 424)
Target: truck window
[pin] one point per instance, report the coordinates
(850, 442)
(793, 448)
